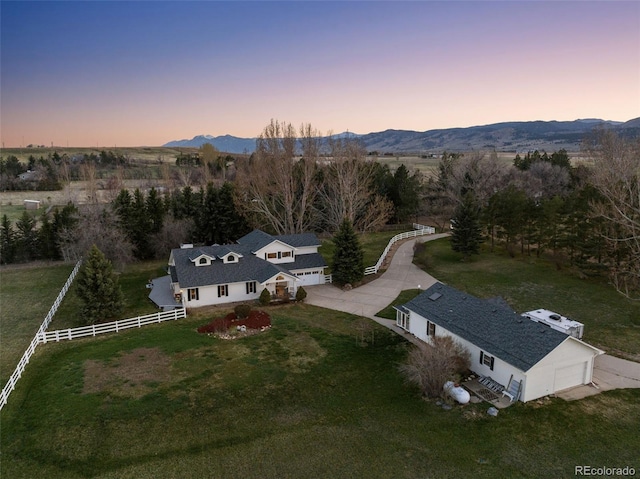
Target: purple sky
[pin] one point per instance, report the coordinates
(144, 73)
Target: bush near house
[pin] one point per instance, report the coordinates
(254, 320)
(265, 297)
(301, 294)
(242, 311)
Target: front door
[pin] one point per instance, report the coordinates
(281, 290)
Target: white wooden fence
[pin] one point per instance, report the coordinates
(113, 327)
(42, 336)
(419, 230)
(22, 364)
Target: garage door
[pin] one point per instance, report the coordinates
(569, 376)
(310, 278)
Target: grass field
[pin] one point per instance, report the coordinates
(15, 212)
(303, 399)
(611, 321)
(26, 295)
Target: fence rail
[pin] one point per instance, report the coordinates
(419, 230)
(22, 364)
(113, 327)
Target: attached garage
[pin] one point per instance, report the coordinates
(310, 277)
(570, 376)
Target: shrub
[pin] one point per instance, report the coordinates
(429, 366)
(242, 311)
(301, 294)
(254, 320)
(265, 297)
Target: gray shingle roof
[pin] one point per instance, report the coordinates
(248, 268)
(299, 240)
(256, 239)
(259, 239)
(490, 325)
(305, 261)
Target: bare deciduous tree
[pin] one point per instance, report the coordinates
(172, 235)
(277, 188)
(616, 175)
(483, 175)
(96, 225)
(429, 366)
(348, 190)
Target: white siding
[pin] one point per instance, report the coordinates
(569, 365)
(501, 372)
(306, 250)
(208, 295)
(275, 248)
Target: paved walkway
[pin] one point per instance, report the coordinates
(608, 373)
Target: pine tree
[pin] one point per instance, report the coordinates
(98, 288)
(467, 233)
(7, 242)
(348, 256)
(27, 238)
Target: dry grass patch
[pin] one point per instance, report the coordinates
(304, 352)
(132, 375)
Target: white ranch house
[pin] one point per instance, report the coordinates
(218, 274)
(528, 358)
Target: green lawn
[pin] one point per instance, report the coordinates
(26, 295)
(611, 321)
(15, 212)
(404, 297)
(302, 400)
(132, 281)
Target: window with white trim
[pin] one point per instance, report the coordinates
(202, 260)
(223, 290)
(251, 287)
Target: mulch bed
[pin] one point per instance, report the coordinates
(256, 320)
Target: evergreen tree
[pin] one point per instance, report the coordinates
(155, 210)
(98, 288)
(466, 236)
(7, 242)
(47, 239)
(405, 194)
(348, 256)
(27, 238)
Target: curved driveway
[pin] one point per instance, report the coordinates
(370, 298)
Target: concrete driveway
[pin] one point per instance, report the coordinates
(370, 298)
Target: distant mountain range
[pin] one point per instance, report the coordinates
(519, 136)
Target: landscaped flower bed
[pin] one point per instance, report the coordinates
(257, 320)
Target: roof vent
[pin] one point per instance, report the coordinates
(555, 317)
(435, 296)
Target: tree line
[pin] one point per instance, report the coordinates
(584, 217)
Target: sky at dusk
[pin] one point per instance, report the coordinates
(144, 73)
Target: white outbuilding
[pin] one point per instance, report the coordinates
(529, 359)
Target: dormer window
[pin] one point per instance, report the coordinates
(231, 259)
(202, 260)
